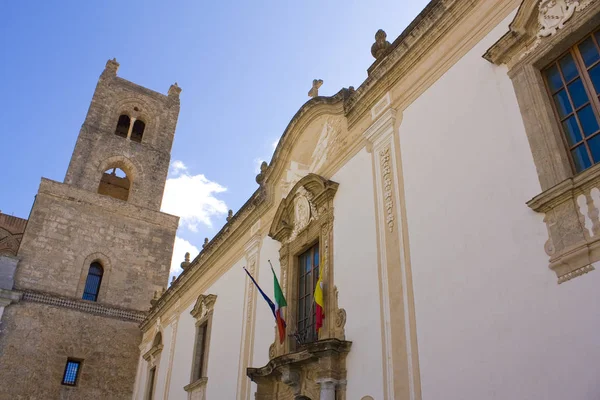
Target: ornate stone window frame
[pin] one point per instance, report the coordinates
(152, 357)
(540, 32)
(316, 369)
(203, 313)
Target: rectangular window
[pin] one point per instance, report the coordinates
(200, 351)
(71, 375)
(308, 274)
(151, 378)
(573, 82)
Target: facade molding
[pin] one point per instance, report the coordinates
(398, 325)
(83, 306)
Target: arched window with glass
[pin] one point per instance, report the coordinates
(93, 281)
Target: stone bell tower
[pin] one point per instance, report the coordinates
(95, 249)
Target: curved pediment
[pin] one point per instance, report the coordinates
(534, 22)
(303, 204)
(314, 137)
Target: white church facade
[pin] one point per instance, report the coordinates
(451, 207)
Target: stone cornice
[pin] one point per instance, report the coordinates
(309, 352)
(83, 306)
(71, 193)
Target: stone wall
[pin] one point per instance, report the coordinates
(69, 228)
(98, 148)
(41, 339)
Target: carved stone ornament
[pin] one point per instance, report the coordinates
(381, 45)
(317, 368)
(203, 306)
(535, 21)
(553, 15)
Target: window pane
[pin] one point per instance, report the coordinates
(553, 77)
(71, 370)
(589, 53)
(572, 131)
(578, 94)
(595, 76)
(587, 120)
(562, 104)
(594, 144)
(568, 67)
(316, 256)
(580, 158)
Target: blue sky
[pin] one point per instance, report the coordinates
(245, 68)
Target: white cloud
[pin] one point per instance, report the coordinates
(178, 167)
(181, 247)
(274, 144)
(192, 197)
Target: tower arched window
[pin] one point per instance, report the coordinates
(138, 130)
(115, 183)
(123, 126)
(93, 281)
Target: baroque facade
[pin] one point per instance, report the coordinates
(450, 206)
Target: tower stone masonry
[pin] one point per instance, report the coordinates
(95, 249)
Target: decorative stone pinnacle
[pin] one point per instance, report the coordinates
(186, 262)
(314, 91)
(263, 170)
(229, 215)
(111, 68)
(381, 45)
(205, 242)
(174, 90)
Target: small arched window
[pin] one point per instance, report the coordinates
(123, 126)
(93, 281)
(115, 183)
(138, 130)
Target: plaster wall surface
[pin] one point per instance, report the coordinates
(223, 356)
(492, 322)
(356, 275)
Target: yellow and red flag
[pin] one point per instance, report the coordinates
(320, 304)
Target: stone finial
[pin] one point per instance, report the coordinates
(174, 90)
(173, 279)
(229, 215)
(111, 68)
(381, 45)
(263, 170)
(186, 262)
(155, 298)
(314, 90)
(205, 242)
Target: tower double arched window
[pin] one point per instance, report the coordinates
(93, 281)
(130, 128)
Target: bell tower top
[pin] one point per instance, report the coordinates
(124, 145)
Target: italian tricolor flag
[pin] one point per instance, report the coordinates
(279, 302)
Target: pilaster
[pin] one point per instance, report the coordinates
(399, 351)
(252, 256)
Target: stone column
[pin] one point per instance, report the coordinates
(399, 353)
(327, 390)
(131, 122)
